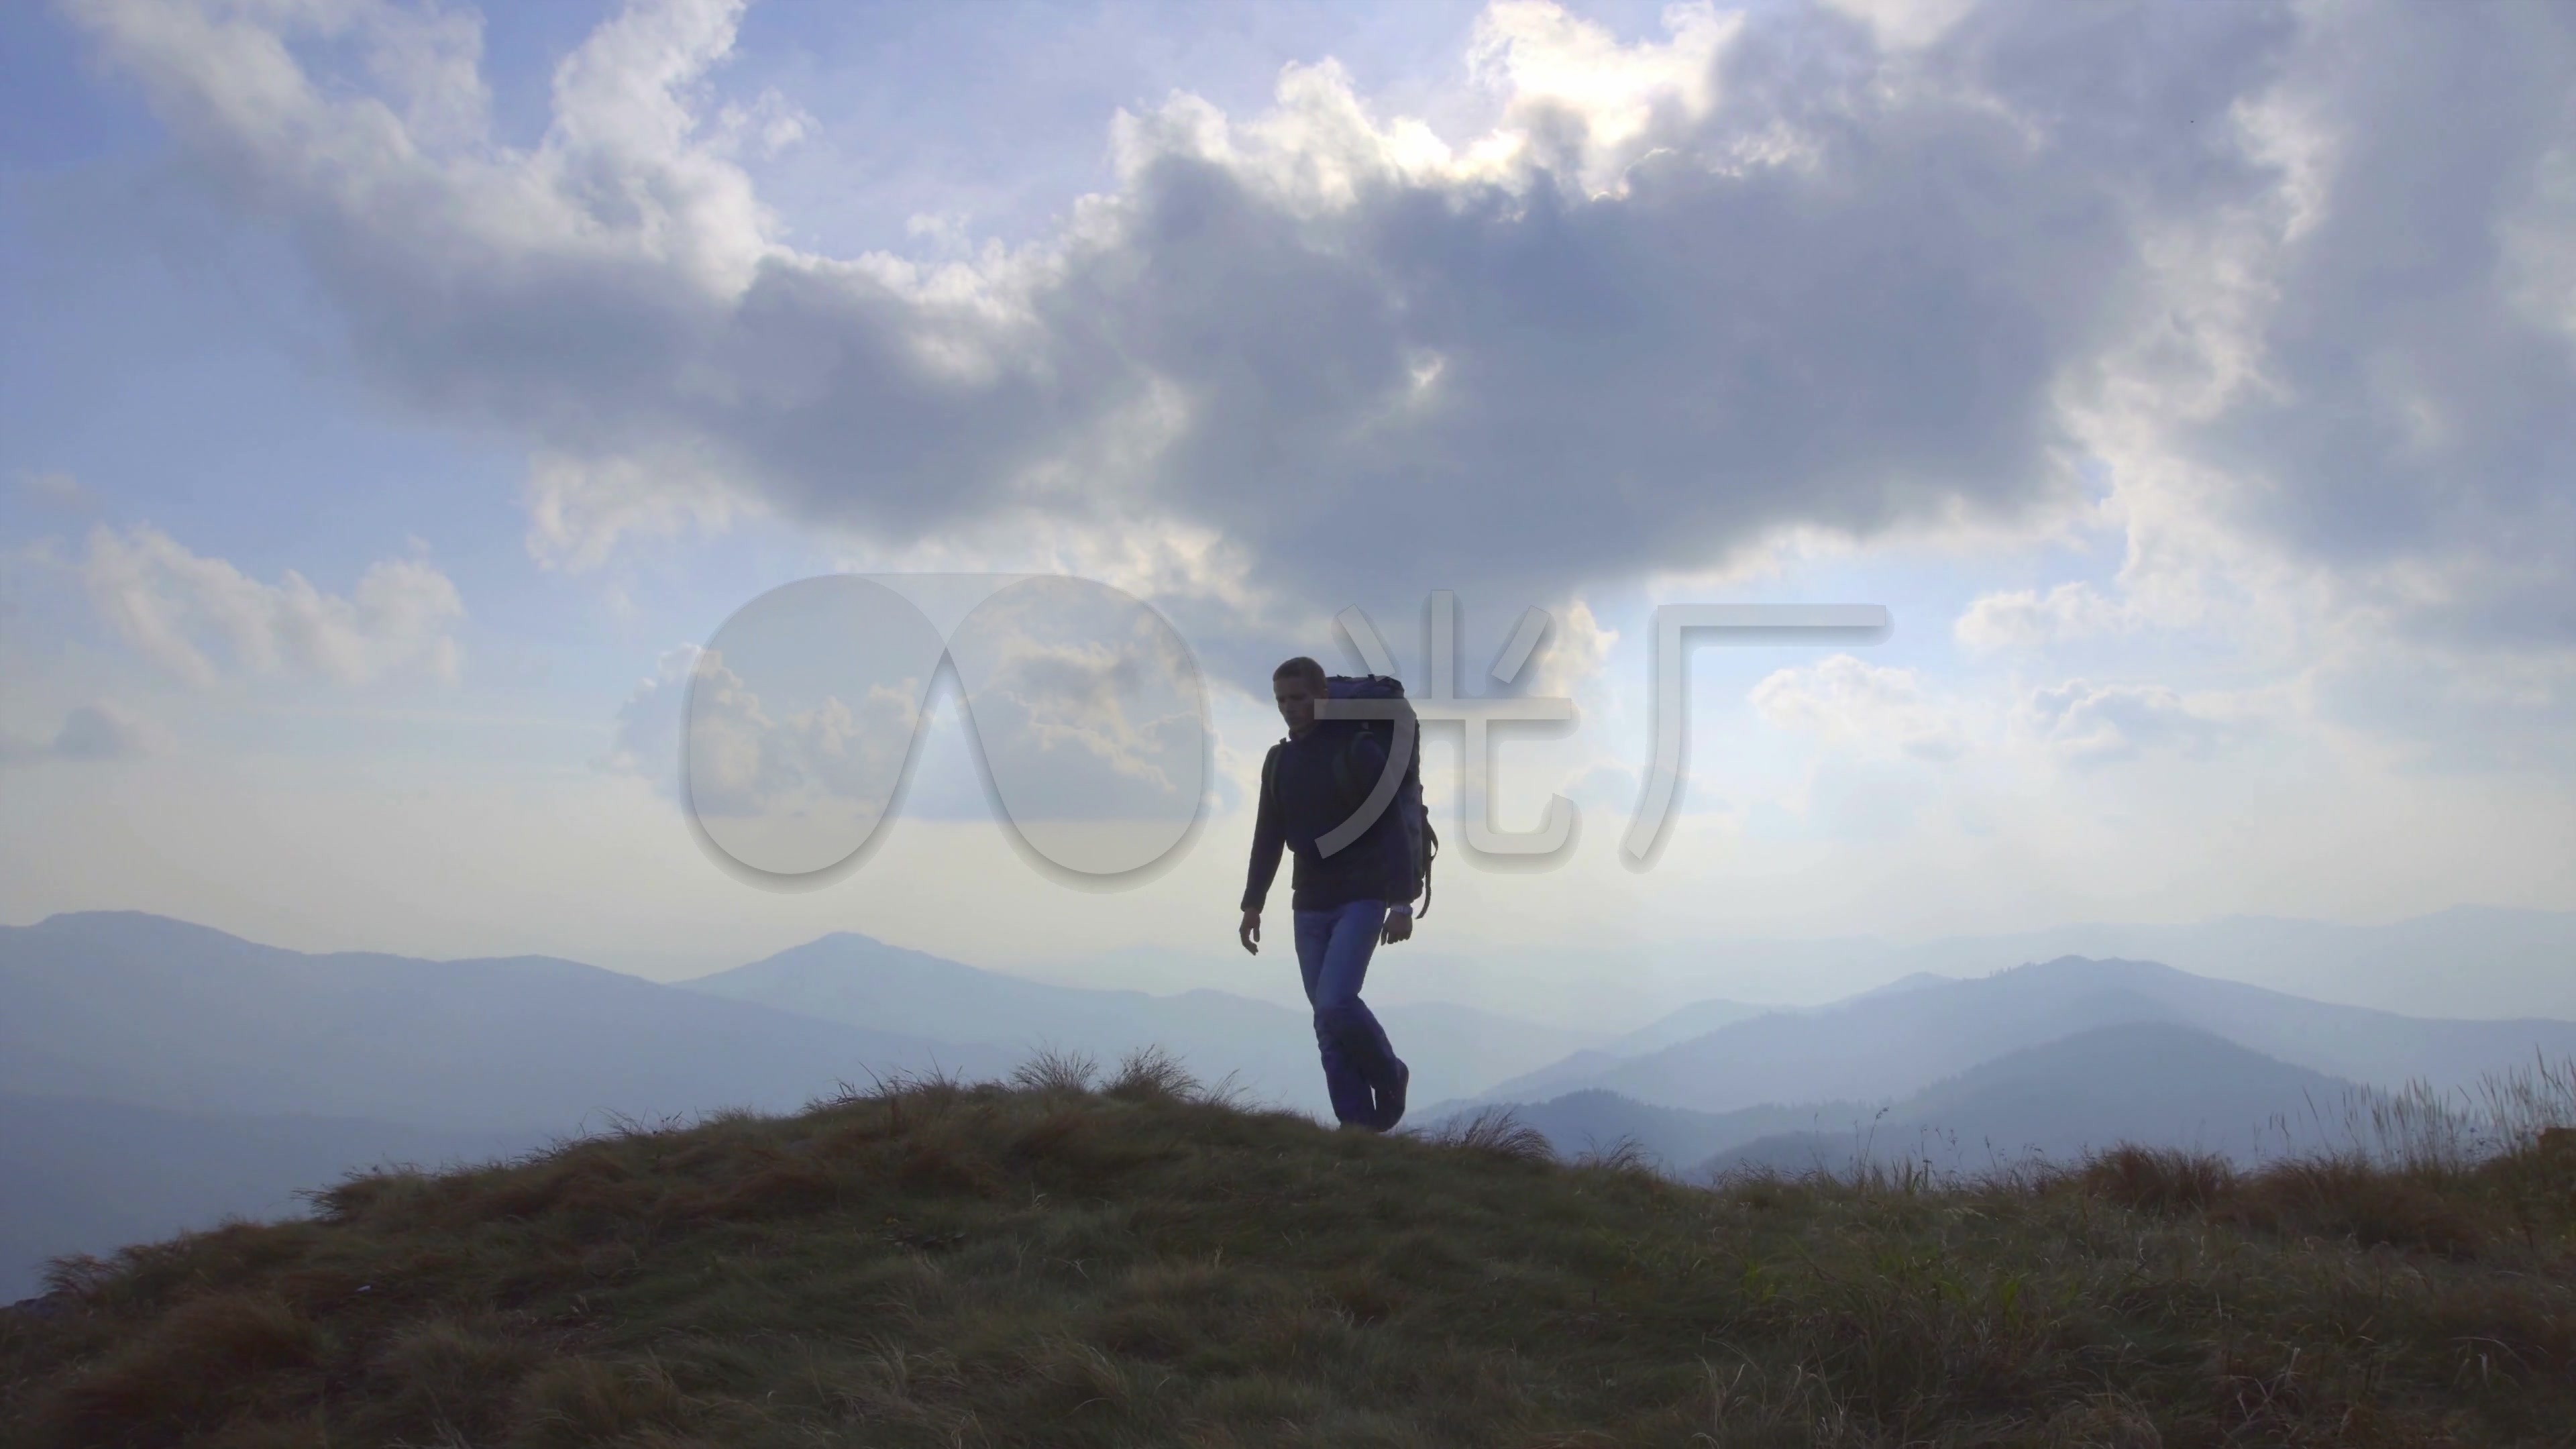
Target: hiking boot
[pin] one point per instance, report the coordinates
(1390, 1104)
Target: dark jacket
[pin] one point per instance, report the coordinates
(1301, 800)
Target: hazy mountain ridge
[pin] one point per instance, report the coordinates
(2463, 962)
(1890, 1045)
(143, 1009)
(1675, 1139)
(163, 1016)
(854, 978)
(2147, 1083)
(182, 1061)
(2468, 962)
(1686, 1024)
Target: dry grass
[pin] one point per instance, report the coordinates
(1068, 1259)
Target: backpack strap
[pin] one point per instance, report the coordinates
(1430, 852)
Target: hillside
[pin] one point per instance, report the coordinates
(1048, 1264)
(79, 1175)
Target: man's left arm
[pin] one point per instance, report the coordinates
(1399, 923)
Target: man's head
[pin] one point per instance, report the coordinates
(1296, 685)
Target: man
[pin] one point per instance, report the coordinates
(1344, 904)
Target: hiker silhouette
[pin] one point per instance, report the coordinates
(1345, 900)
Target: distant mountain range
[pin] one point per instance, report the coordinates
(2478, 962)
(2474, 962)
(155, 1075)
(160, 1013)
(2152, 1083)
(1888, 1044)
(1674, 1140)
(860, 981)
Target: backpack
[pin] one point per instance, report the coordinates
(1422, 843)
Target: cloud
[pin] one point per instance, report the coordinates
(99, 730)
(580, 507)
(2090, 724)
(2026, 618)
(1865, 274)
(1650, 316)
(103, 731)
(1083, 706)
(2407, 418)
(1574, 653)
(747, 759)
(54, 487)
(2349, 427)
(838, 756)
(1877, 708)
(171, 604)
(1904, 24)
(647, 741)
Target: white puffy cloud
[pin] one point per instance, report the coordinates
(173, 605)
(1873, 707)
(1574, 653)
(580, 506)
(1082, 706)
(1892, 713)
(1066, 729)
(647, 741)
(746, 759)
(2090, 724)
(2023, 618)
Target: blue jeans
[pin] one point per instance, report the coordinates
(1333, 948)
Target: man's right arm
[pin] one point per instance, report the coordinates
(1268, 840)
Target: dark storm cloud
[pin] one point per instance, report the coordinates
(1824, 285)
(2423, 350)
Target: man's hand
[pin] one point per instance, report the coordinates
(1250, 932)
(1399, 925)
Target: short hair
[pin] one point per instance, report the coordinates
(1304, 668)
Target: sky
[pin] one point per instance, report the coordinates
(400, 402)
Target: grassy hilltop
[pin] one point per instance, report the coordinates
(1050, 1263)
